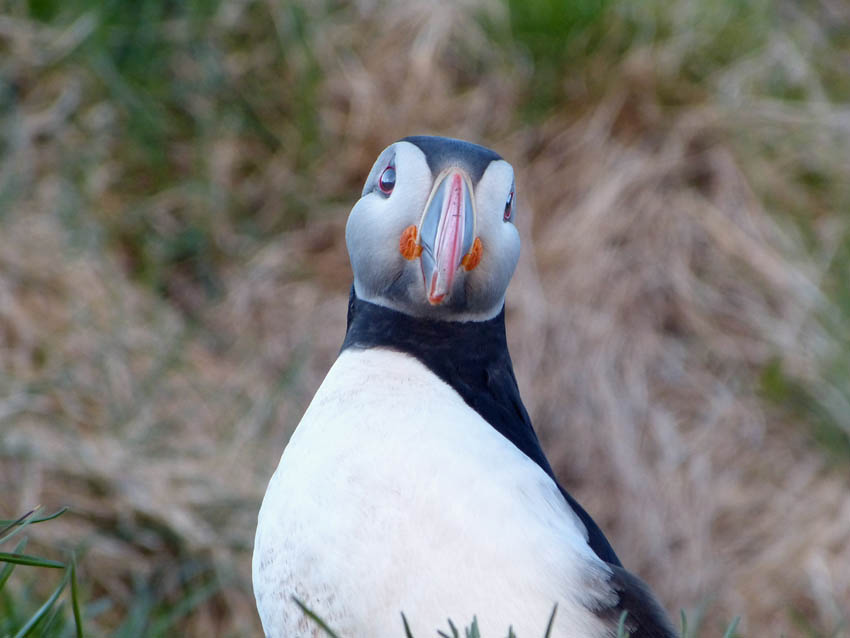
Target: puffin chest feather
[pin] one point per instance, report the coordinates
(384, 503)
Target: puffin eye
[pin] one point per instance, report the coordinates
(509, 207)
(386, 182)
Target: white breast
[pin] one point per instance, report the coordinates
(395, 496)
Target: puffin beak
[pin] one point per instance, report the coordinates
(446, 233)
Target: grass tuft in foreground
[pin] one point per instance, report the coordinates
(472, 631)
(49, 618)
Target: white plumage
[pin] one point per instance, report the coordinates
(383, 504)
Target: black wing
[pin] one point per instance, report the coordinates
(645, 618)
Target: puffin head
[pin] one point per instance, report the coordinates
(432, 235)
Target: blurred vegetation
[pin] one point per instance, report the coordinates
(183, 137)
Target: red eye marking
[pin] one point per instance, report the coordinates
(386, 182)
(509, 207)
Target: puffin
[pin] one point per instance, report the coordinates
(414, 491)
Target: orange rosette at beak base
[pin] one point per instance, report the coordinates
(407, 244)
(473, 257)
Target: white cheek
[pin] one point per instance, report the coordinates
(504, 252)
(512, 249)
(495, 232)
(372, 236)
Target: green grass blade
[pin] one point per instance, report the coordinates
(51, 625)
(34, 561)
(730, 631)
(17, 526)
(8, 524)
(75, 598)
(40, 613)
(184, 608)
(684, 623)
(621, 626)
(312, 616)
(14, 532)
(8, 567)
(407, 632)
(453, 629)
(49, 517)
(551, 622)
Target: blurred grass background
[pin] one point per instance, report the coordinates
(174, 183)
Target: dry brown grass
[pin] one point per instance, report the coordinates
(655, 286)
